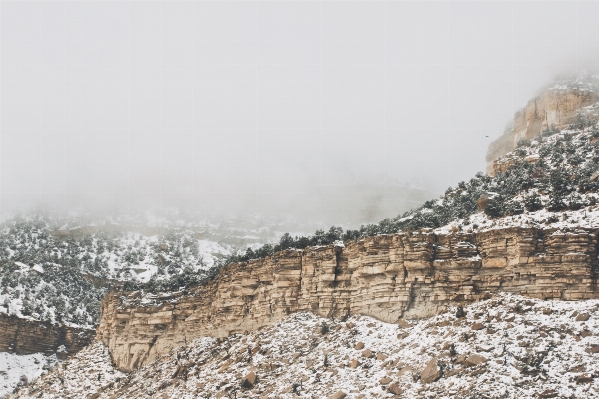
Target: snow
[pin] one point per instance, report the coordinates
(529, 347)
(586, 218)
(21, 369)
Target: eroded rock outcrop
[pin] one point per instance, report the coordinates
(389, 277)
(557, 106)
(24, 337)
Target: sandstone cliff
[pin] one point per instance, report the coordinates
(389, 277)
(24, 337)
(557, 106)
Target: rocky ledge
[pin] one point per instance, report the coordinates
(408, 275)
(24, 337)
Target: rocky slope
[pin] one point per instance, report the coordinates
(504, 347)
(558, 105)
(388, 277)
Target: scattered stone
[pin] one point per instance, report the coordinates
(337, 395)
(385, 380)
(381, 356)
(354, 364)
(367, 354)
(584, 378)
(477, 326)
(443, 323)
(395, 389)
(431, 372)
(475, 360)
(546, 311)
(249, 380)
(359, 346)
(404, 324)
(582, 317)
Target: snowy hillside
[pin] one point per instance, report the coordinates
(58, 270)
(505, 347)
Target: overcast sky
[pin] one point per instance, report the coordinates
(268, 106)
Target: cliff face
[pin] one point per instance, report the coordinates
(388, 277)
(555, 107)
(24, 337)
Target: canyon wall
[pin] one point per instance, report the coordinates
(389, 277)
(555, 107)
(24, 337)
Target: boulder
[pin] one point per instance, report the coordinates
(404, 324)
(582, 317)
(354, 364)
(431, 372)
(477, 326)
(385, 380)
(249, 380)
(359, 346)
(337, 395)
(475, 360)
(584, 378)
(395, 389)
(367, 354)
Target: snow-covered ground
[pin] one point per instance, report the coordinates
(586, 218)
(505, 347)
(16, 370)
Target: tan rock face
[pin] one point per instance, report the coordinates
(24, 337)
(550, 108)
(389, 277)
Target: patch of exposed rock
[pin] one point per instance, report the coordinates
(557, 106)
(389, 277)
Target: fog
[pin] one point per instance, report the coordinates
(343, 112)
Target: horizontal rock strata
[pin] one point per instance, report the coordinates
(389, 277)
(557, 107)
(24, 337)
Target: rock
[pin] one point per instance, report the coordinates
(395, 389)
(431, 372)
(404, 324)
(359, 346)
(461, 359)
(477, 326)
(367, 354)
(546, 311)
(381, 356)
(221, 308)
(337, 395)
(475, 360)
(385, 380)
(548, 393)
(443, 323)
(584, 378)
(595, 349)
(550, 107)
(354, 363)
(582, 317)
(249, 380)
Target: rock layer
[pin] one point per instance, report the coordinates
(389, 277)
(555, 107)
(24, 337)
